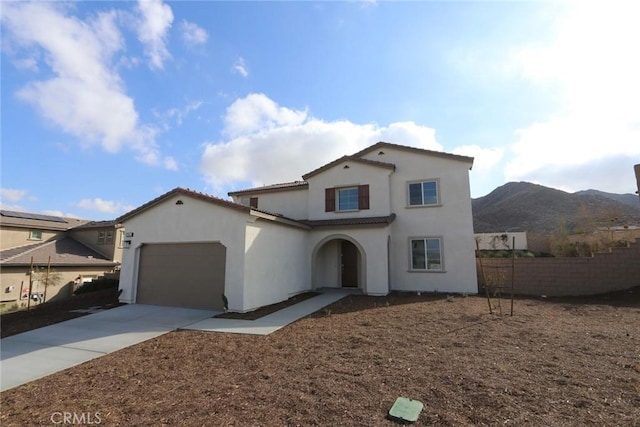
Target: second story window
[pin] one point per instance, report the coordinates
(35, 235)
(346, 199)
(424, 193)
(109, 237)
(102, 237)
(250, 201)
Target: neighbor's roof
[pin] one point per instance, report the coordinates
(186, 192)
(286, 186)
(99, 224)
(65, 252)
(381, 145)
(371, 221)
(355, 159)
(38, 221)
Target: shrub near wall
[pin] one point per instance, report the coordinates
(602, 273)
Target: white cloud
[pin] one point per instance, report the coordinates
(178, 114)
(12, 195)
(485, 159)
(86, 96)
(104, 206)
(592, 61)
(240, 67)
(192, 34)
(257, 112)
(170, 163)
(269, 143)
(155, 21)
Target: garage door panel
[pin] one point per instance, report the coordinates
(182, 275)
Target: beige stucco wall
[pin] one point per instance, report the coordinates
(18, 278)
(357, 174)
(193, 221)
(89, 237)
(12, 237)
(452, 221)
(277, 263)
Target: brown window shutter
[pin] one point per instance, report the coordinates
(329, 199)
(363, 197)
(253, 202)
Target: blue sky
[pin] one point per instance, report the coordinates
(106, 105)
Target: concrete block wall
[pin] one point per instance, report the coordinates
(602, 273)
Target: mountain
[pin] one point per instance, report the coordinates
(537, 208)
(626, 199)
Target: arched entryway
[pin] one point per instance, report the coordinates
(338, 262)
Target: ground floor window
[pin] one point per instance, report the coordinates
(426, 253)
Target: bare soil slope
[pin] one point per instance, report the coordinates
(563, 362)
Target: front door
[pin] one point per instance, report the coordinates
(349, 264)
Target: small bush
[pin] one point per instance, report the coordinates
(97, 285)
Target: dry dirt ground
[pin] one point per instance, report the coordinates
(556, 362)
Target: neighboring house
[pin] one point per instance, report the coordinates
(501, 241)
(68, 248)
(387, 218)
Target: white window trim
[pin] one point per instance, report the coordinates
(31, 236)
(426, 270)
(421, 181)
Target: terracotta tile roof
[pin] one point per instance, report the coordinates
(186, 192)
(63, 252)
(372, 221)
(356, 159)
(38, 221)
(382, 145)
(295, 185)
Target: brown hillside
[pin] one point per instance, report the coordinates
(533, 207)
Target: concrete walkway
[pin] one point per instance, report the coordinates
(35, 354)
(271, 322)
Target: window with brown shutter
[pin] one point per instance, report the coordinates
(329, 199)
(253, 202)
(363, 197)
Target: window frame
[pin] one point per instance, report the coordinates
(35, 234)
(351, 200)
(426, 269)
(422, 182)
(332, 198)
(102, 237)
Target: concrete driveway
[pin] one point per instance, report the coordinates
(31, 355)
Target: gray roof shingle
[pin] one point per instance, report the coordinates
(63, 252)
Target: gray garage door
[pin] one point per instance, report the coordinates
(182, 275)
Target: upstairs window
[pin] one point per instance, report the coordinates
(426, 254)
(252, 202)
(35, 235)
(424, 193)
(109, 237)
(347, 199)
(102, 237)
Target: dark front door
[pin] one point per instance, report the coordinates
(349, 260)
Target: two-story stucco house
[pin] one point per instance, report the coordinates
(49, 256)
(387, 218)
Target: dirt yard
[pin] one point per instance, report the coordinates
(561, 362)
